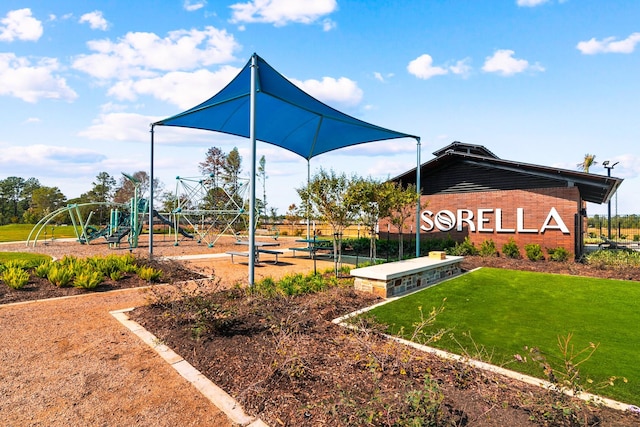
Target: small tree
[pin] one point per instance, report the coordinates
(403, 202)
(326, 194)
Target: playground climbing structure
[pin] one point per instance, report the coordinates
(211, 206)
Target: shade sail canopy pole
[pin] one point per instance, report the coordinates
(418, 190)
(151, 198)
(307, 204)
(252, 192)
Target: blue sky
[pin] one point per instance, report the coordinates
(538, 81)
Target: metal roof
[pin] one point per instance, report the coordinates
(593, 188)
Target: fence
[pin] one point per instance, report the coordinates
(624, 228)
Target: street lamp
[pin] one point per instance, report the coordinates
(608, 167)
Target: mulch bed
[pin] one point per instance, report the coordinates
(40, 288)
(286, 363)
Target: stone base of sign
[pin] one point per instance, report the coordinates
(397, 278)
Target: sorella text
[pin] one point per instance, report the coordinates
(481, 221)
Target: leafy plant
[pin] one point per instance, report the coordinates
(42, 270)
(558, 254)
(614, 259)
(88, 279)
(149, 274)
(467, 247)
(15, 277)
(60, 276)
(534, 252)
(488, 248)
(511, 249)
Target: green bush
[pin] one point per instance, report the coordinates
(43, 269)
(15, 277)
(488, 248)
(60, 275)
(149, 274)
(534, 252)
(613, 259)
(465, 248)
(558, 254)
(88, 279)
(511, 249)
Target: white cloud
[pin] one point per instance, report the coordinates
(21, 79)
(20, 25)
(503, 63)
(282, 12)
(179, 88)
(342, 91)
(143, 55)
(132, 127)
(530, 3)
(422, 67)
(609, 45)
(328, 24)
(461, 68)
(119, 127)
(382, 78)
(41, 155)
(193, 5)
(32, 120)
(95, 20)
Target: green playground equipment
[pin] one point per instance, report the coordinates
(211, 206)
(125, 220)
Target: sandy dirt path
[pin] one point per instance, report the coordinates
(68, 362)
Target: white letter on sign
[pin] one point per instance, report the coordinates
(560, 225)
(425, 217)
(468, 219)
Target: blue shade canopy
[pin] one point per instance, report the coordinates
(285, 116)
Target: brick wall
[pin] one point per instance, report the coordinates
(535, 208)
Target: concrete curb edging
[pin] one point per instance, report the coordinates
(212, 392)
(588, 397)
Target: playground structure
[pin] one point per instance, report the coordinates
(120, 224)
(211, 206)
(205, 209)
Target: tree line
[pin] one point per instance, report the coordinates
(27, 201)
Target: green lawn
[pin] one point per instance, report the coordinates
(505, 310)
(20, 232)
(24, 256)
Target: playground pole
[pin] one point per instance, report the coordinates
(252, 183)
(151, 199)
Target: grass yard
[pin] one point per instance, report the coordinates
(20, 232)
(506, 310)
(28, 258)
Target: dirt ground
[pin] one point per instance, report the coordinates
(68, 362)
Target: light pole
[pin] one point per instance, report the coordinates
(608, 168)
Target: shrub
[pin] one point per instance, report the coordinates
(511, 249)
(17, 263)
(488, 249)
(43, 269)
(613, 258)
(149, 274)
(15, 277)
(60, 276)
(534, 252)
(465, 248)
(88, 279)
(558, 254)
